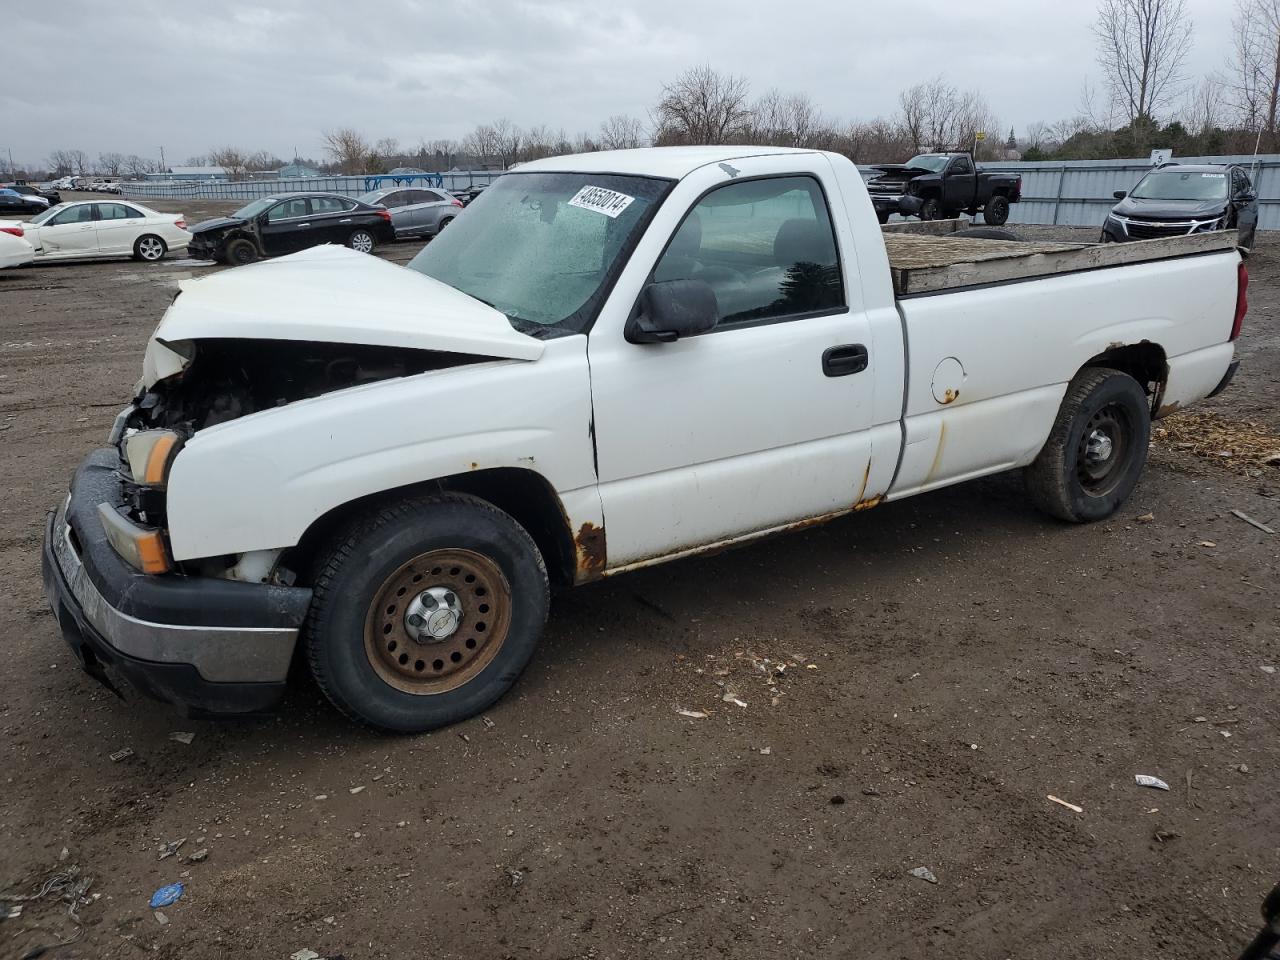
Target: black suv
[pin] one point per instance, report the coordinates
(1176, 199)
(271, 226)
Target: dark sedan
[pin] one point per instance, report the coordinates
(27, 190)
(11, 201)
(271, 226)
(1179, 199)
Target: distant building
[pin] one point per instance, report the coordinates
(404, 171)
(297, 169)
(190, 173)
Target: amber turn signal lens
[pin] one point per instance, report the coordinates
(141, 547)
(149, 454)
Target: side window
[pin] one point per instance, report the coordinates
(296, 207)
(1239, 181)
(330, 205)
(426, 196)
(961, 165)
(80, 214)
(117, 211)
(393, 200)
(766, 247)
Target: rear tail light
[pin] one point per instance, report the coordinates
(385, 214)
(457, 202)
(180, 224)
(16, 231)
(1242, 299)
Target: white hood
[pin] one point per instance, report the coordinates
(330, 294)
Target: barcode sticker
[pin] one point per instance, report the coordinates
(609, 202)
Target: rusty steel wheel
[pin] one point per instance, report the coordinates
(438, 621)
(424, 611)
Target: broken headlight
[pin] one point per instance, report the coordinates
(150, 454)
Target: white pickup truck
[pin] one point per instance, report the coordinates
(608, 361)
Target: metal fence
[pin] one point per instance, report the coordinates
(1067, 192)
(1079, 192)
(345, 186)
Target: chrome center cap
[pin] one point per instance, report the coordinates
(1098, 447)
(433, 615)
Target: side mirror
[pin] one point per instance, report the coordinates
(1120, 194)
(671, 309)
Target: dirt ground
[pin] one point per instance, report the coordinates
(950, 661)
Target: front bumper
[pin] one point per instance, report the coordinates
(211, 647)
(201, 249)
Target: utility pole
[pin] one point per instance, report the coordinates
(163, 167)
(11, 166)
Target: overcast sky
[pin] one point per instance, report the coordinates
(273, 74)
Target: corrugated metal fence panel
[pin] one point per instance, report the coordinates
(250, 189)
(1079, 192)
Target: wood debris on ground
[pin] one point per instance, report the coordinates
(1244, 445)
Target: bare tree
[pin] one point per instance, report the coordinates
(1142, 47)
(702, 106)
(538, 142)
(110, 164)
(137, 166)
(481, 144)
(783, 121)
(1201, 112)
(262, 160)
(231, 159)
(507, 138)
(1254, 78)
(621, 132)
(349, 151)
(937, 116)
(61, 162)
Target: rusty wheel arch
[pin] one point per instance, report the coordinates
(524, 494)
(1146, 362)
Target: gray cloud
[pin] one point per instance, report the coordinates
(274, 75)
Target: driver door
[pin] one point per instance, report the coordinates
(72, 232)
(959, 184)
(766, 420)
(287, 227)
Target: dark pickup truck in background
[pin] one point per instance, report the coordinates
(937, 186)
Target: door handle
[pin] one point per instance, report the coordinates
(845, 359)
(347, 220)
(304, 225)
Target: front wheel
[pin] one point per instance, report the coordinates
(240, 252)
(931, 209)
(361, 241)
(996, 212)
(425, 612)
(150, 248)
(1095, 454)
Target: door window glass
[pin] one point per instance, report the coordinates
(80, 214)
(393, 200)
(961, 165)
(766, 247)
(117, 211)
(295, 207)
(330, 205)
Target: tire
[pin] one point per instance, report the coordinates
(1095, 454)
(983, 233)
(479, 566)
(443, 223)
(150, 248)
(931, 209)
(996, 212)
(239, 252)
(361, 241)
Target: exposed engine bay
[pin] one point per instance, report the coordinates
(226, 379)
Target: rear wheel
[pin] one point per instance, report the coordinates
(444, 223)
(240, 252)
(426, 612)
(996, 212)
(361, 241)
(149, 247)
(1095, 454)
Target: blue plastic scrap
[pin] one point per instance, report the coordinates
(166, 895)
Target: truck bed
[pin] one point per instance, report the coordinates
(928, 261)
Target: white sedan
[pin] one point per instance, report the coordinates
(100, 228)
(14, 249)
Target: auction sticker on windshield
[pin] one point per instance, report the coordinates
(609, 202)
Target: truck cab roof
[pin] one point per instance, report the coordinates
(669, 162)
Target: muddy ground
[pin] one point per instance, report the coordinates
(952, 660)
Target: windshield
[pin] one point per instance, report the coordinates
(541, 246)
(929, 161)
(1181, 185)
(46, 214)
(251, 210)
